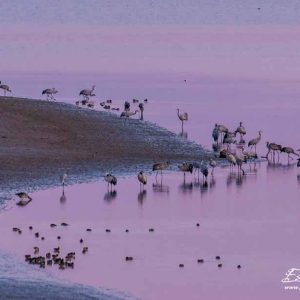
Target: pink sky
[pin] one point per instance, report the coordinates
(248, 51)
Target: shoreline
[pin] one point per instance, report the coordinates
(41, 140)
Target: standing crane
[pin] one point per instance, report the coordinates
(242, 131)
(273, 148)
(5, 88)
(142, 179)
(252, 143)
(141, 107)
(289, 151)
(160, 167)
(182, 117)
(49, 93)
(87, 93)
(111, 180)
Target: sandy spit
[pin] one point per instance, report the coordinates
(41, 140)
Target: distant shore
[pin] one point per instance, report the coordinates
(41, 140)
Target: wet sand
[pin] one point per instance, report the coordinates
(41, 140)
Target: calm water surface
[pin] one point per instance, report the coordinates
(250, 220)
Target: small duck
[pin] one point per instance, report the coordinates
(24, 199)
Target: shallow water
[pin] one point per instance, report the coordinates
(250, 220)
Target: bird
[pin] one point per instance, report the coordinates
(110, 179)
(126, 106)
(222, 130)
(204, 171)
(63, 178)
(141, 107)
(213, 164)
(252, 143)
(91, 104)
(5, 88)
(185, 167)
(231, 159)
(24, 199)
(182, 117)
(240, 159)
(249, 156)
(298, 163)
(160, 167)
(128, 113)
(242, 131)
(86, 93)
(49, 93)
(289, 151)
(135, 100)
(224, 153)
(274, 148)
(216, 133)
(142, 179)
(229, 138)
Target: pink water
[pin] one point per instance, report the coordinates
(250, 221)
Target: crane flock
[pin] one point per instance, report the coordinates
(223, 141)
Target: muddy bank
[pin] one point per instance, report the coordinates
(40, 140)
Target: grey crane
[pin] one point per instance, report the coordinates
(160, 167)
(126, 106)
(111, 180)
(142, 178)
(231, 159)
(141, 107)
(273, 148)
(229, 138)
(87, 93)
(182, 117)
(128, 113)
(5, 88)
(63, 179)
(252, 143)
(222, 129)
(212, 164)
(216, 133)
(185, 167)
(240, 159)
(242, 131)
(49, 93)
(289, 151)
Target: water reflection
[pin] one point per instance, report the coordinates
(212, 182)
(158, 187)
(271, 166)
(203, 188)
(63, 197)
(240, 180)
(142, 196)
(235, 178)
(110, 195)
(186, 187)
